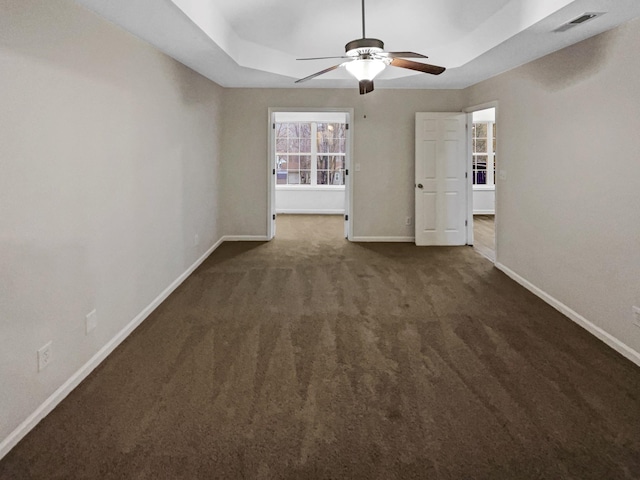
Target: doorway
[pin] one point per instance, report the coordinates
(483, 178)
(309, 158)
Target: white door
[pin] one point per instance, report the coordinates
(441, 184)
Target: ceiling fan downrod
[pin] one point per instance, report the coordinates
(364, 45)
(363, 34)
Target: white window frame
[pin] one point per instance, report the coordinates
(314, 162)
(313, 186)
(491, 183)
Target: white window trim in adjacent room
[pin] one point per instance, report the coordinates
(322, 117)
(314, 165)
(491, 184)
(318, 188)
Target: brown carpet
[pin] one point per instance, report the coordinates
(310, 357)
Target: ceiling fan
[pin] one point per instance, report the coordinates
(367, 59)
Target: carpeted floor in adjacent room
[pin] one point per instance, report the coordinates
(310, 357)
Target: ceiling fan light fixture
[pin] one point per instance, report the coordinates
(365, 69)
(367, 59)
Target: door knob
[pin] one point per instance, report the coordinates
(419, 185)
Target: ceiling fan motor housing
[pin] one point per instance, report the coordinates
(364, 46)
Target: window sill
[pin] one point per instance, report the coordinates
(484, 188)
(311, 188)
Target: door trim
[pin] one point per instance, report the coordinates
(271, 162)
(469, 111)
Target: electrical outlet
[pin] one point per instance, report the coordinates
(44, 357)
(91, 321)
(407, 221)
(196, 240)
(636, 316)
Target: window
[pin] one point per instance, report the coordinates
(484, 153)
(310, 153)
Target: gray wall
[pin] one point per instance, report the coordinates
(569, 210)
(383, 190)
(109, 156)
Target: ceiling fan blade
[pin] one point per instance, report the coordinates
(420, 67)
(403, 55)
(366, 86)
(321, 58)
(326, 70)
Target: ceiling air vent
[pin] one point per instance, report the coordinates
(585, 17)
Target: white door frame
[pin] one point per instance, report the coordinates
(469, 111)
(271, 165)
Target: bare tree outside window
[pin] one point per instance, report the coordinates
(299, 161)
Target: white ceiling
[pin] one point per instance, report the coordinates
(255, 43)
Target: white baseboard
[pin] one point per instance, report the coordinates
(67, 387)
(288, 211)
(383, 239)
(245, 238)
(484, 212)
(619, 346)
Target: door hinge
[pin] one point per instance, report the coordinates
(466, 175)
(274, 171)
(346, 218)
(466, 223)
(347, 126)
(274, 126)
(346, 172)
(274, 216)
